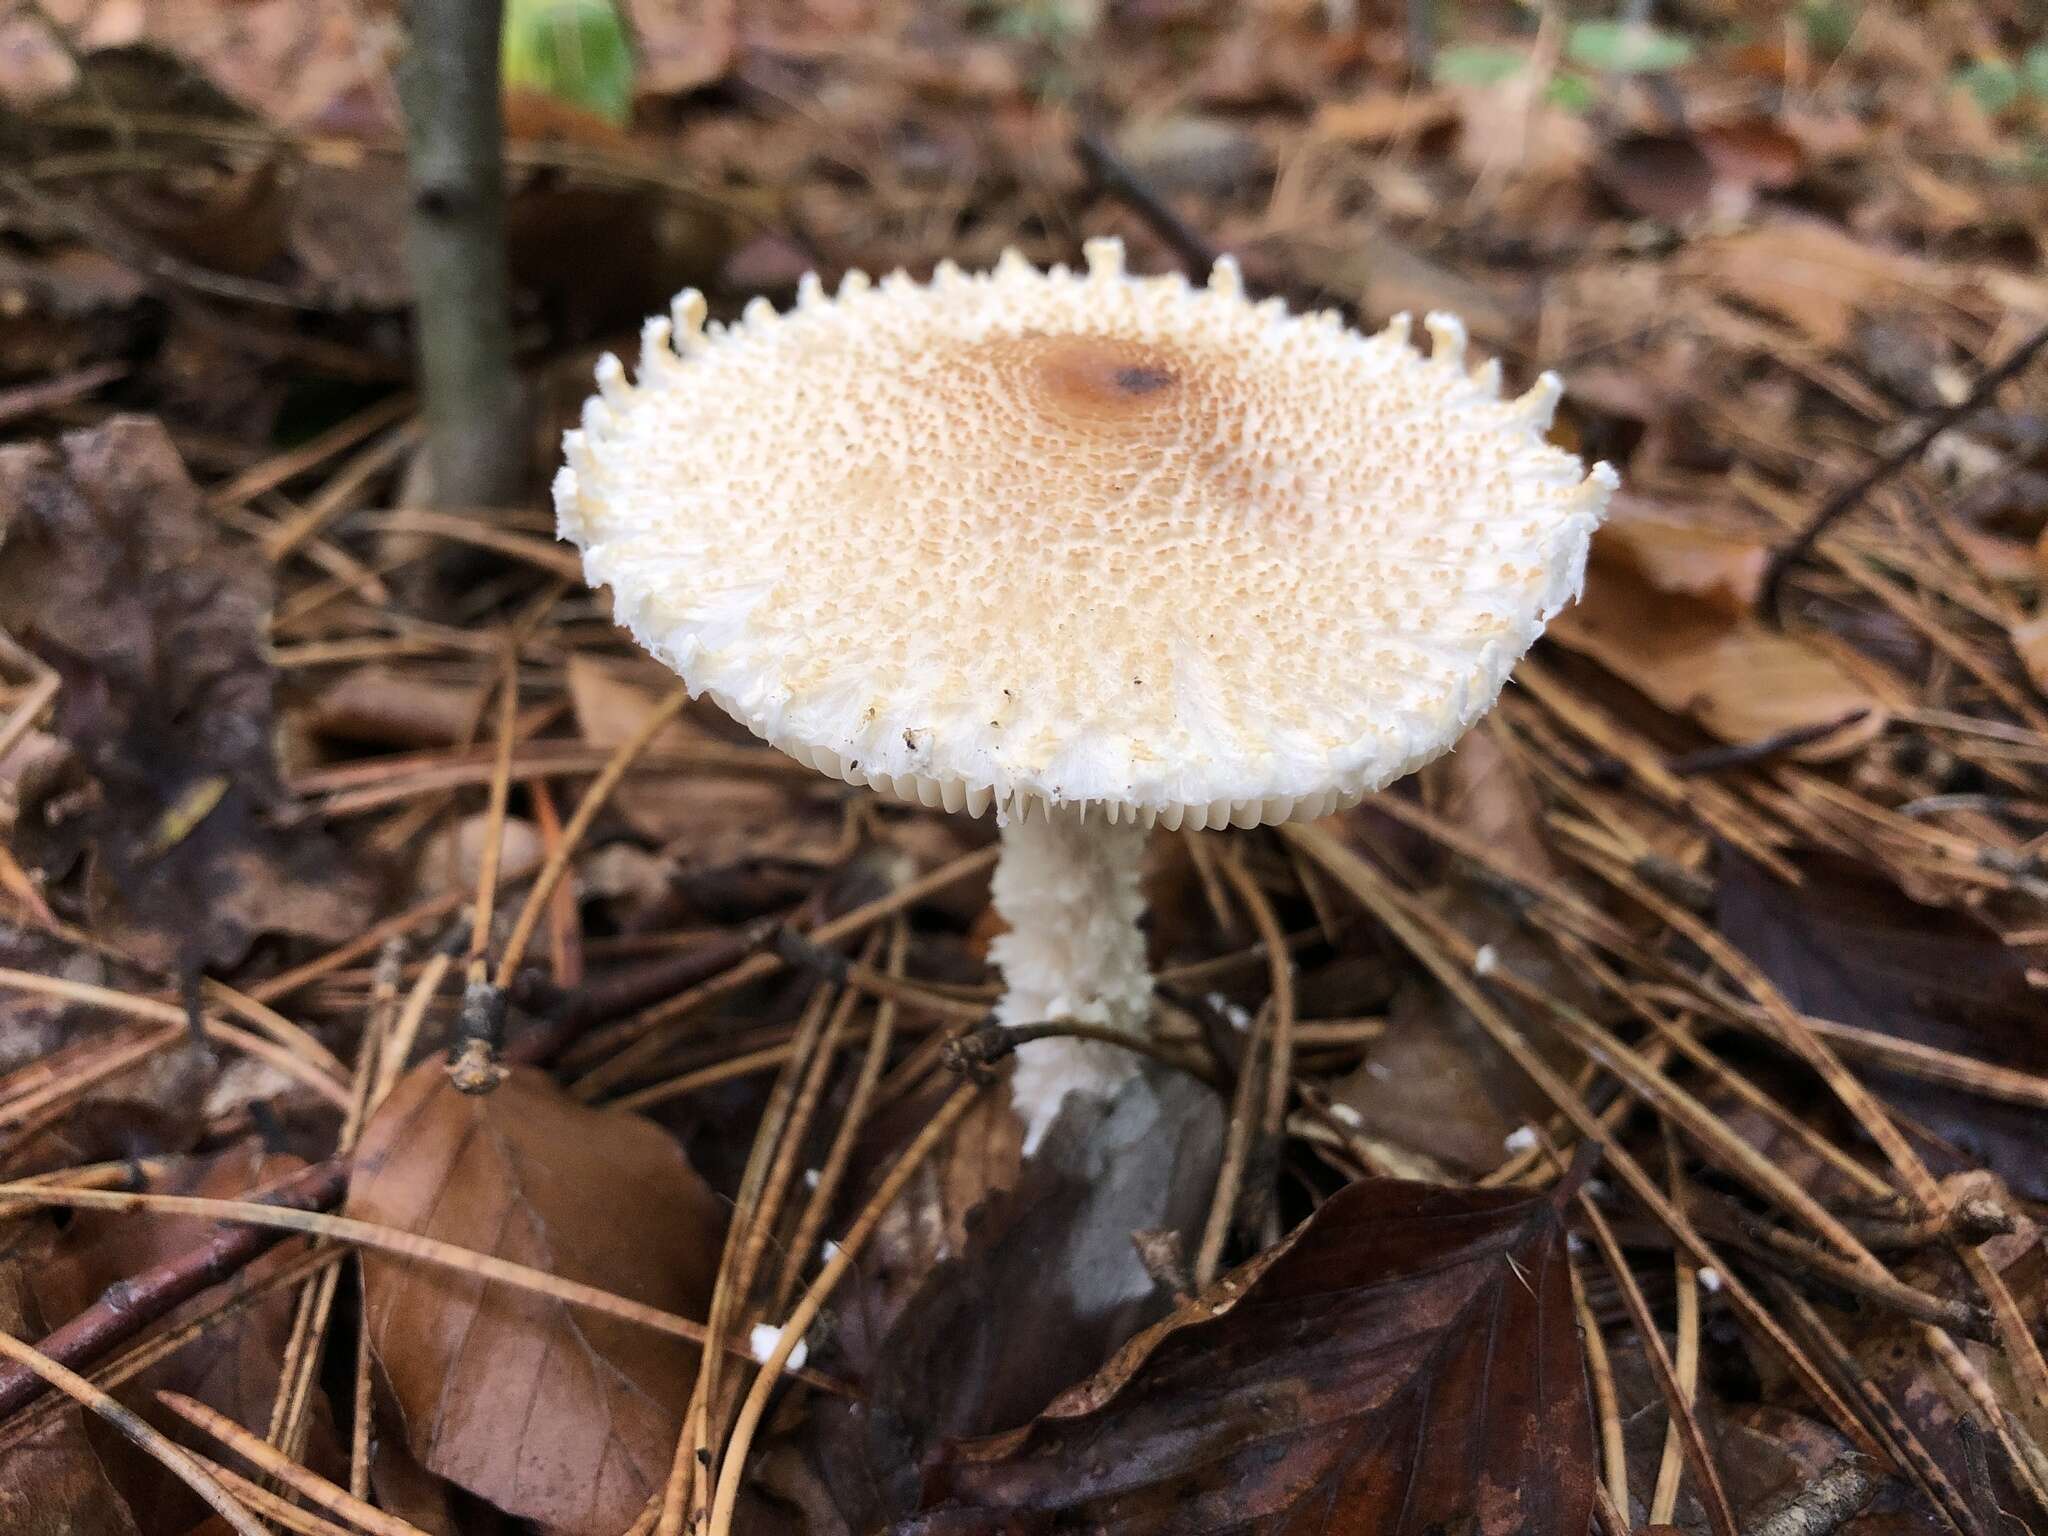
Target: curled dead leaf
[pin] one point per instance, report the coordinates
(936, 1361)
(1406, 1361)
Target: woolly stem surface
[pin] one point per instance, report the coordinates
(1068, 888)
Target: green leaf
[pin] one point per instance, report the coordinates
(2034, 71)
(1829, 24)
(1478, 64)
(1626, 48)
(573, 50)
(1571, 92)
(1994, 84)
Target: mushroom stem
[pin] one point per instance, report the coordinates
(1067, 885)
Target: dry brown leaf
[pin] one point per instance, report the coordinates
(980, 1162)
(1435, 1092)
(1663, 612)
(1483, 791)
(609, 710)
(400, 1483)
(1406, 1362)
(112, 570)
(1381, 116)
(1848, 945)
(704, 820)
(682, 46)
(936, 1361)
(1811, 274)
(555, 1415)
(452, 859)
(53, 1484)
(284, 58)
(1722, 569)
(234, 1368)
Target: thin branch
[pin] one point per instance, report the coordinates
(1128, 188)
(177, 1462)
(1789, 554)
(129, 1306)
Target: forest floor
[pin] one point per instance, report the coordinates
(1637, 1118)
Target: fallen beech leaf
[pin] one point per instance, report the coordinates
(937, 1361)
(609, 710)
(682, 47)
(112, 571)
(53, 1484)
(704, 820)
(1406, 1361)
(1809, 273)
(1847, 945)
(1485, 793)
(400, 1483)
(929, 1225)
(1506, 129)
(1435, 1086)
(223, 216)
(1765, 1453)
(282, 58)
(1689, 558)
(347, 230)
(1665, 610)
(452, 858)
(233, 1368)
(556, 1415)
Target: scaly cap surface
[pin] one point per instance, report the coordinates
(1058, 539)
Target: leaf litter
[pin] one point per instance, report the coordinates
(1354, 1379)
(1742, 880)
(561, 1418)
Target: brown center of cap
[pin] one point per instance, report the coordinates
(1106, 381)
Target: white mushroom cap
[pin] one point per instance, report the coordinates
(1085, 540)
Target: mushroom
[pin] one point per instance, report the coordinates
(1096, 552)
